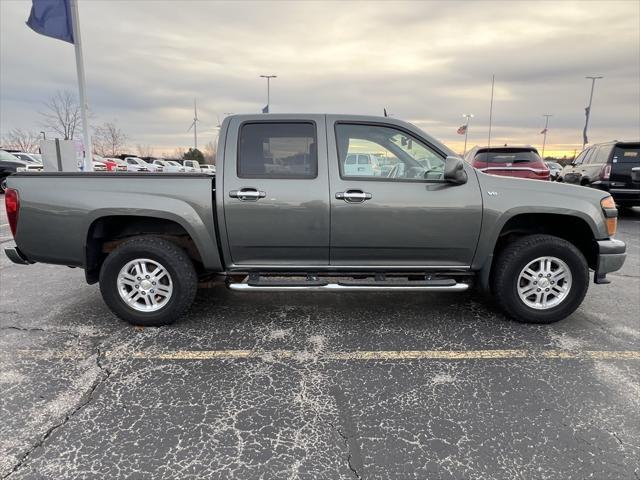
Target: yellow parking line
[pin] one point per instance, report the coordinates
(390, 354)
(356, 355)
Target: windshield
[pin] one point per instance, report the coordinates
(174, 164)
(7, 157)
(627, 155)
(511, 155)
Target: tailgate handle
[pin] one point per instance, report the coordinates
(353, 196)
(247, 194)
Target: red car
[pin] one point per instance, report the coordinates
(522, 162)
(112, 164)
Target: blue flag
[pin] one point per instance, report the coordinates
(52, 18)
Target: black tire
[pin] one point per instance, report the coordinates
(516, 256)
(3, 184)
(173, 258)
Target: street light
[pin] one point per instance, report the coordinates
(268, 77)
(544, 131)
(468, 116)
(44, 135)
(587, 111)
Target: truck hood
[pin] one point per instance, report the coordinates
(532, 191)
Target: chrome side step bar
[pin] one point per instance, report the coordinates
(245, 287)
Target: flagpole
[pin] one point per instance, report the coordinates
(466, 131)
(493, 80)
(87, 165)
(546, 124)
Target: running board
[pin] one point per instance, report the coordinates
(343, 287)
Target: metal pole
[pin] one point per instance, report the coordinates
(87, 165)
(546, 124)
(588, 110)
(268, 77)
(195, 125)
(493, 80)
(468, 116)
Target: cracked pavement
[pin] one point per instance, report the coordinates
(279, 392)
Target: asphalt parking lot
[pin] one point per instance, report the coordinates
(430, 386)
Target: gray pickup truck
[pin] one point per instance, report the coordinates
(293, 208)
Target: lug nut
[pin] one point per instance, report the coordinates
(540, 275)
(139, 278)
(153, 283)
(552, 282)
(137, 286)
(548, 274)
(535, 283)
(546, 289)
(147, 276)
(152, 290)
(537, 290)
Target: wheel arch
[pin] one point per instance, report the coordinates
(579, 230)
(106, 232)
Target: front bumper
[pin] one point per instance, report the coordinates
(611, 257)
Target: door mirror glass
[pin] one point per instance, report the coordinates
(454, 171)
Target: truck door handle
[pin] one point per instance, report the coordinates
(353, 196)
(247, 194)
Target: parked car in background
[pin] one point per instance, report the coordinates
(168, 165)
(612, 166)
(365, 164)
(191, 166)
(99, 166)
(135, 164)
(9, 164)
(554, 170)
(509, 161)
(115, 164)
(208, 168)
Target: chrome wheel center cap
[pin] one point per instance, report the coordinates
(145, 284)
(544, 283)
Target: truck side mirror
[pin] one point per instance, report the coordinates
(454, 171)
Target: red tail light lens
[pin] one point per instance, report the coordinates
(12, 203)
(605, 173)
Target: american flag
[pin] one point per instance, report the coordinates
(462, 130)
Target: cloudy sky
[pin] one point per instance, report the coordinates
(426, 62)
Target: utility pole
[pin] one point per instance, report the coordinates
(268, 77)
(468, 116)
(544, 131)
(587, 111)
(493, 81)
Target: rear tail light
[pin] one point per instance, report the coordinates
(605, 173)
(12, 203)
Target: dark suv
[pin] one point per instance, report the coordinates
(509, 161)
(613, 167)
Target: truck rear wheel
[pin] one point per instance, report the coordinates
(540, 279)
(148, 281)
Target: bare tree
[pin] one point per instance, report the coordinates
(108, 140)
(62, 114)
(144, 150)
(18, 139)
(210, 153)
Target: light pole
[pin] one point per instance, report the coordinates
(544, 131)
(468, 116)
(268, 77)
(44, 135)
(587, 111)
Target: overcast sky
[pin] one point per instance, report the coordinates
(426, 62)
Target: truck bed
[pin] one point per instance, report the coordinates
(58, 209)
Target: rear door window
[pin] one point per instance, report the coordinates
(626, 155)
(513, 156)
(277, 150)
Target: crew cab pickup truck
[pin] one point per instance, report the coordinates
(284, 214)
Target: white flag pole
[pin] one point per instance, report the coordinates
(88, 152)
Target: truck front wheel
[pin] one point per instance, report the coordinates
(540, 279)
(148, 281)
